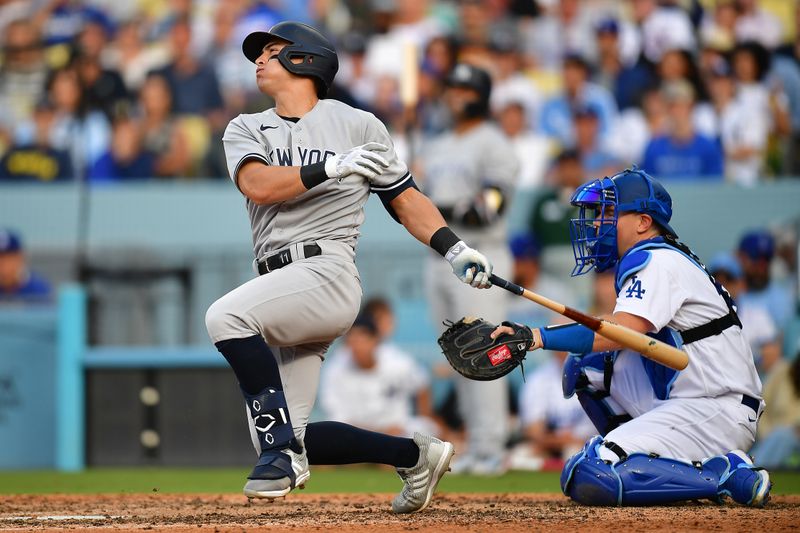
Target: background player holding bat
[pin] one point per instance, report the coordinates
(665, 435)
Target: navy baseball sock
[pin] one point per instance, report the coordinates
(334, 443)
(253, 363)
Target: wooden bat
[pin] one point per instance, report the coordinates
(649, 347)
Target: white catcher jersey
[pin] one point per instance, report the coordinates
(457, 166)
(671, 291)
(333, 210)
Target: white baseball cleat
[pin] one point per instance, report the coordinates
(280, 486)
(420, 480)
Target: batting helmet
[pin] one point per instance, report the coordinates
(477, 79)
(319, 59)
(594, 232)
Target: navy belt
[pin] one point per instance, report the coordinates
(751, 402)
(286, 257)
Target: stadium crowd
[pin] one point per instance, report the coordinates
(686, 89)
(107, 91)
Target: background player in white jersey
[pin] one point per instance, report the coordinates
(306, 168)
(469, 172)
(665, 435)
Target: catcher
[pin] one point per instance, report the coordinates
(665, 435)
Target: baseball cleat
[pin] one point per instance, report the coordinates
(271, 477)
(744, 482)
(420, 480)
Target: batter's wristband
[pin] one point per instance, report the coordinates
(313, 175)
(443, 239)
(572, 338)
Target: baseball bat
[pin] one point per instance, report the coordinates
(649, 347)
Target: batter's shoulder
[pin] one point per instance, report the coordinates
(347, 114)
(249, 120)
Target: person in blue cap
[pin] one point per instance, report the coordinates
(17, 282)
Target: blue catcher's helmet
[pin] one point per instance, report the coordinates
(594, 232)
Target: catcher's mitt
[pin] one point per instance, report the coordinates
(473, 354)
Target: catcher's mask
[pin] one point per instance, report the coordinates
(594, 231)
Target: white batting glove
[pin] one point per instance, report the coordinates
(362, 160)
(469, 265)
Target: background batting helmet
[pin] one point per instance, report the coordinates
(318, 55)
(477, 79)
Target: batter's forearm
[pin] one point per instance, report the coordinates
(269, 185)
(418, 214)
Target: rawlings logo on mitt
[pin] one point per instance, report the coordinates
(474, 354)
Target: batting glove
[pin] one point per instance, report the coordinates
(469, 265)
(362, 160)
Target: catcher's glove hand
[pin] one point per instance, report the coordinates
(474, 354)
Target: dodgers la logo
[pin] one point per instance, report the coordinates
(635, 290)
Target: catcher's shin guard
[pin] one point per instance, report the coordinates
(636, 479)
(282, 464)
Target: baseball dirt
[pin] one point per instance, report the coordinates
(358, 512)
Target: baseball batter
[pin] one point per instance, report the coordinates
(470, 172)
(666, 435)
(306, 168)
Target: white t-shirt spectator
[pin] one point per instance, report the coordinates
(541, 399)
(376, 398)
(666, 29)
(760, 26)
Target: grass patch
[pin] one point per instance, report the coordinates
(323, 480)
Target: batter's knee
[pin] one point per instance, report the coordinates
(223, 322)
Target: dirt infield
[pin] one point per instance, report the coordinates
(358, 512)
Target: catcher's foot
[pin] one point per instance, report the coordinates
(744, 482)
(420, 480)
(277, 473)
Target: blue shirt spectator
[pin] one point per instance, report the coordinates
(556, 118)
(17, 283)
(669, 158)
(682, 153)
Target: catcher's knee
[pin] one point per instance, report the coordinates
(589, 479)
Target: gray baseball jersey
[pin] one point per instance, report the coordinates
(331, 211)
(456, 167)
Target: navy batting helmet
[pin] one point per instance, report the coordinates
(477, 79)
(318, 55)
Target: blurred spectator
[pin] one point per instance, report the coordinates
(755, 253)
(751, 63)
(133, 57)
(679, 66)
(23, 73)
(785, 74)
(528, 273)
(531, 148)
(126, 158)
(778, 444)
(596, 160)
(742, 132)
(194, 85)
(758, 326)
(84, 133)
(682, 153)
(718, 27)
(103, 88)
(756, 24)
(163, 136)
(62, 20)
(17, 281)
(626, 81)
(554, 427)
(636, 126)
(409, 23)
(551, 212)
(556, 117)
(376, 388)
(564, 28)
(510, 83)
(37, 160)
(663, 26)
